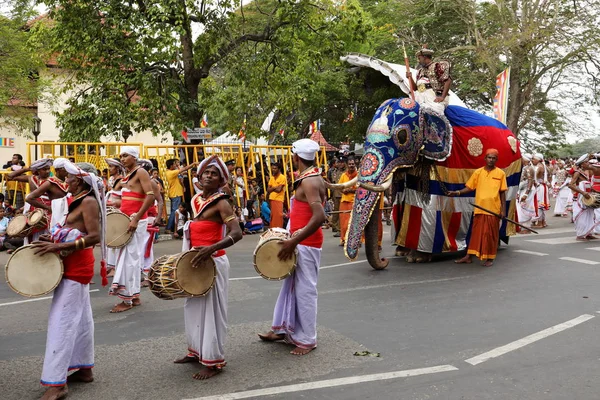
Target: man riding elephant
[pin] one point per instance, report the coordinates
(433, 81)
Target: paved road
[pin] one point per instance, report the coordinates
(526, 328)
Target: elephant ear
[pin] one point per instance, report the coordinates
(437, 134)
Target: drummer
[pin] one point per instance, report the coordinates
(137, 198)
(154, 219)
(40, 170)
(295, 315)
(113, 200)
(214, 228)
(70, 342)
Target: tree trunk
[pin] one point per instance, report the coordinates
(515, 96)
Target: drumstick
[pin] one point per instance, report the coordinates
(117, 238)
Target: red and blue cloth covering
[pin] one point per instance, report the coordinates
(444, 223)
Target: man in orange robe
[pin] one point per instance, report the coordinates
(489, 184)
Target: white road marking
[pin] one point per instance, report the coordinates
(36, 299)
(244, 278)
(593, 248)
(544, 232)
(351, 380)
(533, 253)
(579, 260)
(559, 240)
(499, 351)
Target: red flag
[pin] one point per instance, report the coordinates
(281, 132)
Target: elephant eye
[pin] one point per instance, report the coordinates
(402, 136)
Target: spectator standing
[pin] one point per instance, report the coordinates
(182, 217)
(276, 192)
(196, 182)
(347, 200)
(14, 190)
(239, 187)
(175, 191)
(335, 174)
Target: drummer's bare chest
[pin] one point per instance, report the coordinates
(133, 184)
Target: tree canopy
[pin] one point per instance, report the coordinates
(20, 66)
(159, 65)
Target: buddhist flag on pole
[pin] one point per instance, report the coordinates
(501, 98)
(204, 122)
(242, 132)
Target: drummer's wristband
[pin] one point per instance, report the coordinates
(232, 240)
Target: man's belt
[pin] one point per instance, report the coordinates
(423, 87)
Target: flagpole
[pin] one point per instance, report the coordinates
(407, 63)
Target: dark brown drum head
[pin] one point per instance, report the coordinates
(195, 281)
(268, 265)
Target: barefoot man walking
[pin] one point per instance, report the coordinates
(489, 184)
(137, 197)
(214, 227)
(295, 315)
(70, 341)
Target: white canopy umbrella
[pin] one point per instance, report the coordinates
(396, 73)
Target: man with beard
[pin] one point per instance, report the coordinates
(70, 341)
(295, 314)
(206, 317)
(137, 197)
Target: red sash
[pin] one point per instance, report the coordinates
(312, 171)
(130, 205)
(300, 214)
(206, 233)
(61, 185)
(79, 266)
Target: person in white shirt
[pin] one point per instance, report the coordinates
(196, 183)
(182, 217)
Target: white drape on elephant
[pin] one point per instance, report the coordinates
(427, 154)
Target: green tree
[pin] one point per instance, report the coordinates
(549, 46)
(20, 67)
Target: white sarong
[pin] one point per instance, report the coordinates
(427, 99)
(584, 217)
(206, 319)
(70, 340)
(562, 199)
(130, 261)
(295, 312)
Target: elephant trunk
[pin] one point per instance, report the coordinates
(371, 240)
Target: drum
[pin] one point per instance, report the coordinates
(172, 277)
(32, 275)
(593, 201)
(18, 227)
(116, 229)
(38, 220)
(266, 262)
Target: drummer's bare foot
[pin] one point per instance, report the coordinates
(136, 302)
(83, 375)
(591, 237)
(55, 393)
(145, 283)
(110, 273)
(465, 260)
(271, 336)
(298, 351)
(206, 373)
(581, 238)
(122, 306)
(187, 359)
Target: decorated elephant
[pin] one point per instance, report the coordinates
(422, 155)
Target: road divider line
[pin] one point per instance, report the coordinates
(593, 248)
(517, 344)
(533, 253)
(36, 299)
(351, 380)
(245, 278)
(579, 260)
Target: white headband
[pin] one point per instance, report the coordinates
(133, 151)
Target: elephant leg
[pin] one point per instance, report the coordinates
(423, 257)
(412, 256)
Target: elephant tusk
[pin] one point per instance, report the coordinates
(377, 188)
(339, 186)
